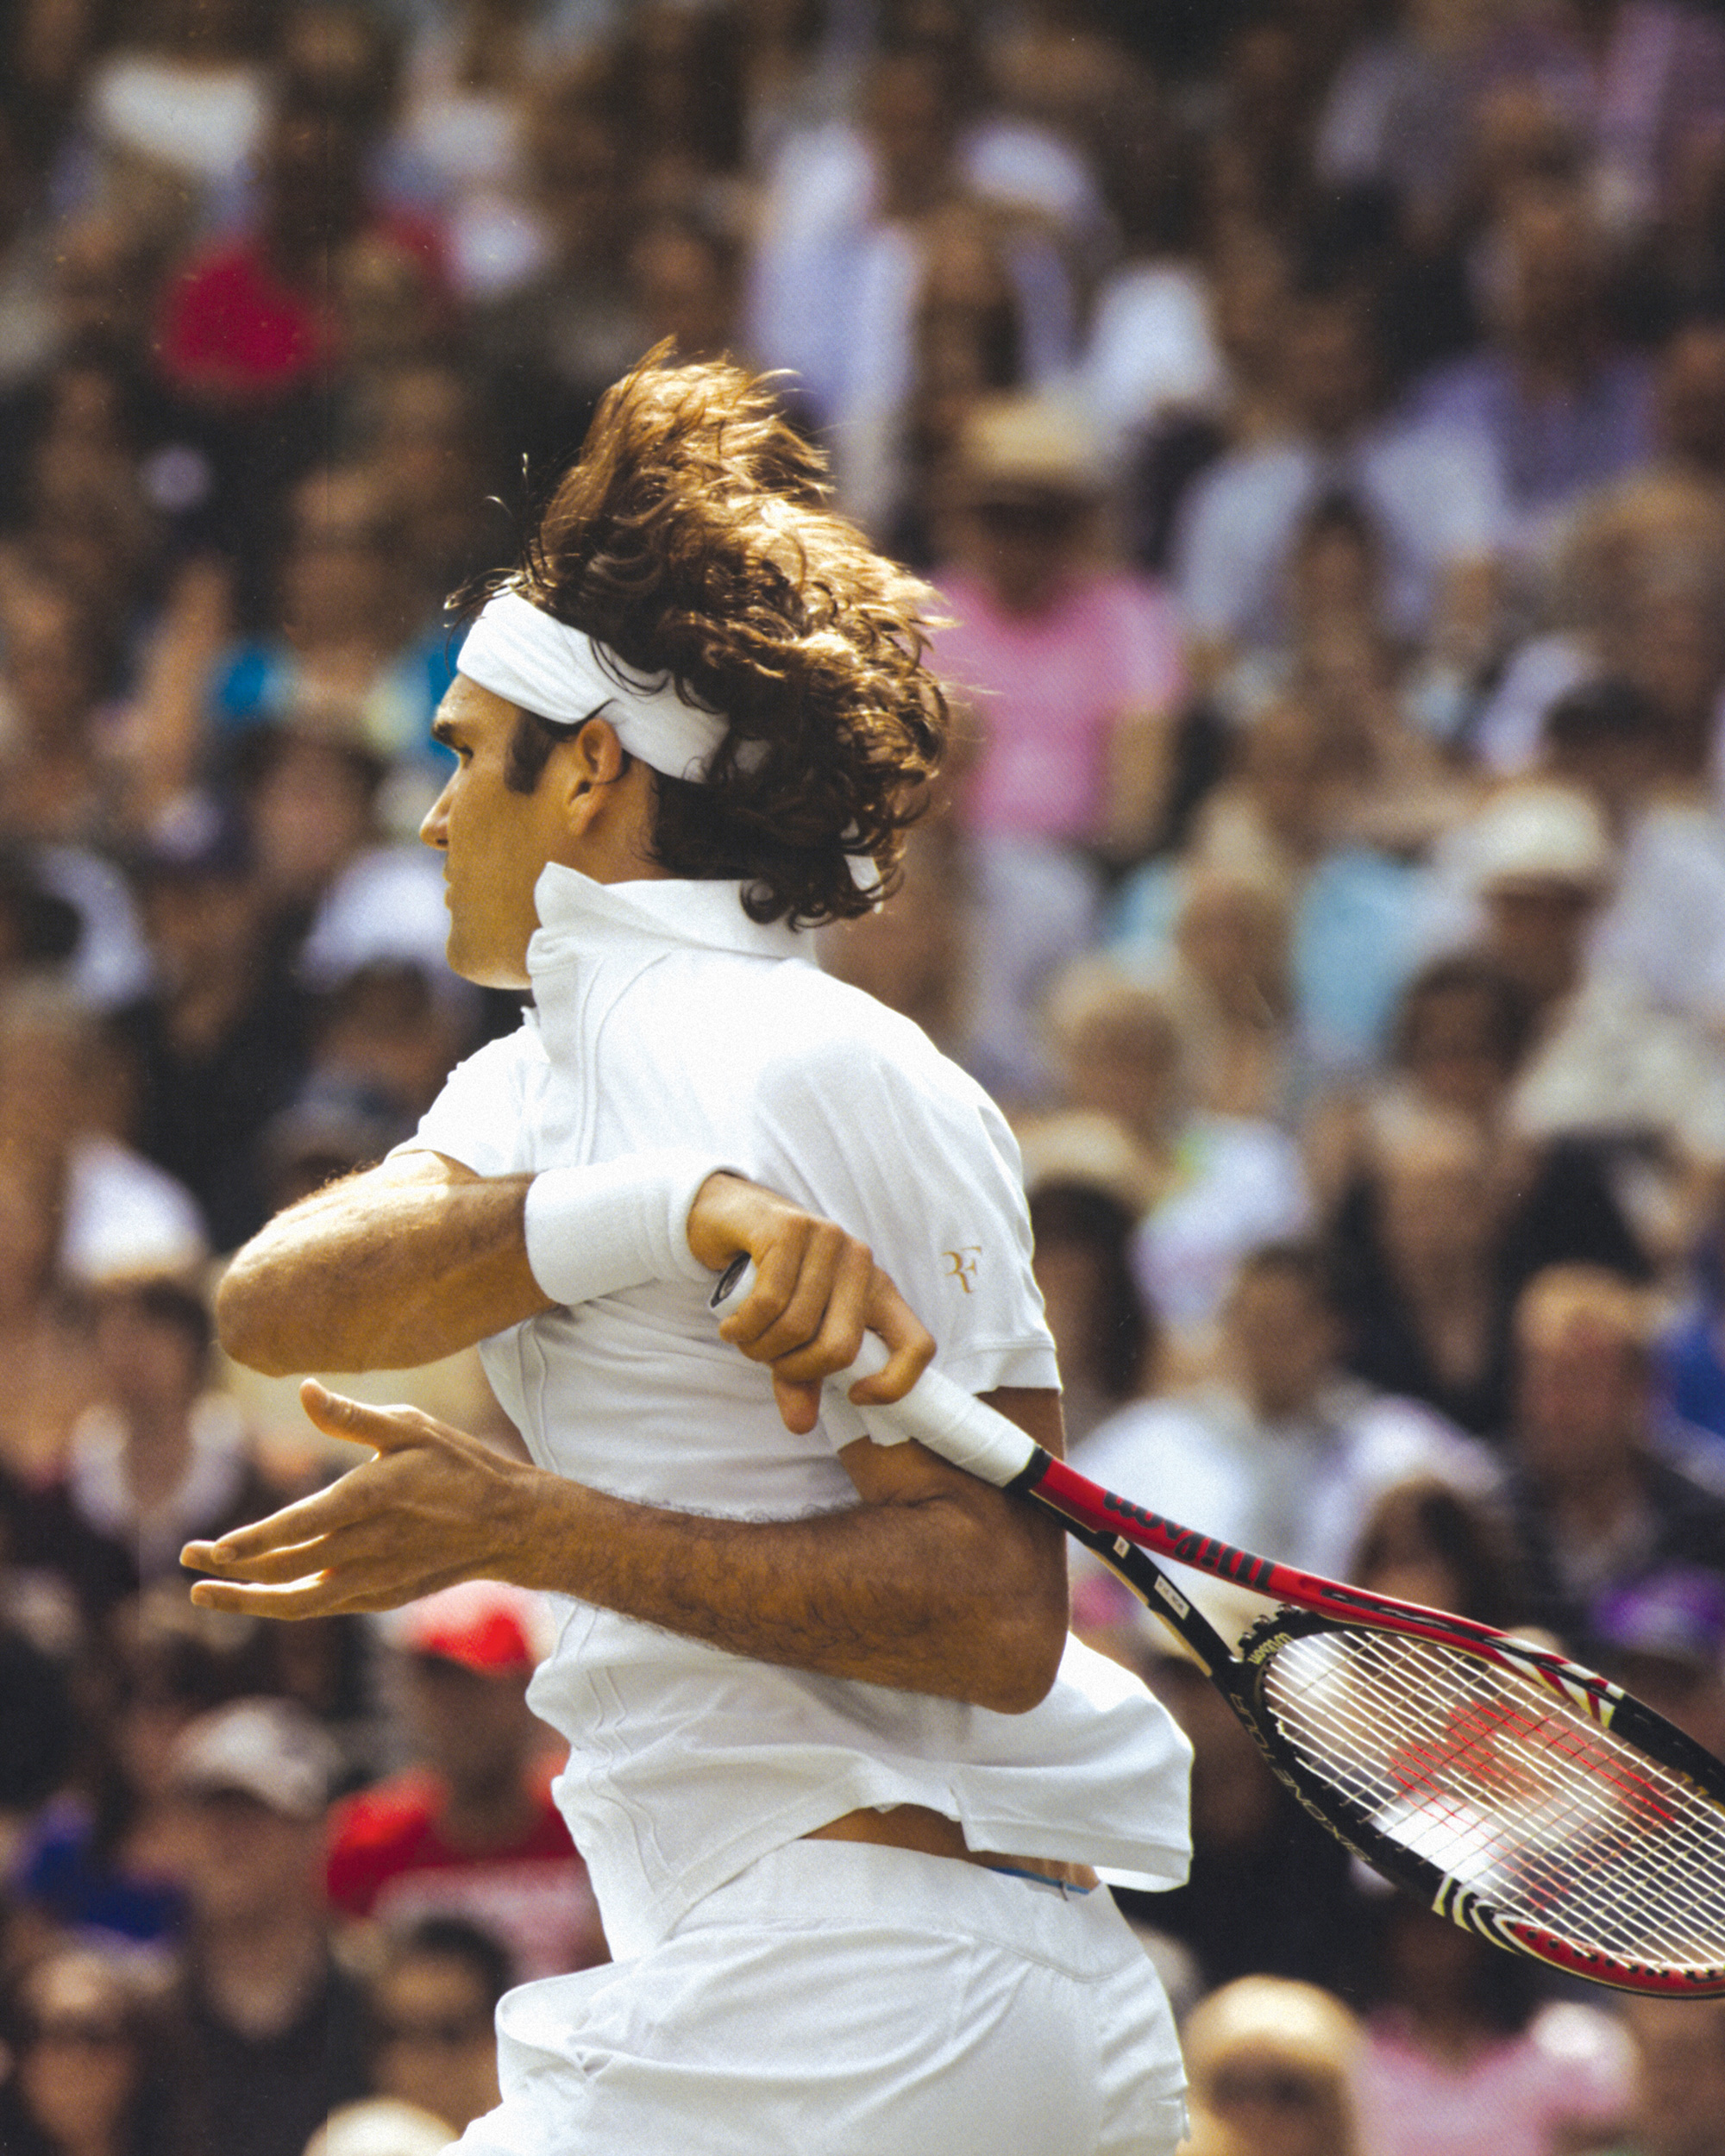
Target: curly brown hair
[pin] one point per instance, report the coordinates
(691, 535)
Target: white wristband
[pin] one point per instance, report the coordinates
(595, 1231)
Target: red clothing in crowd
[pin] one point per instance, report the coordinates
(234, 327)
(389, 1859)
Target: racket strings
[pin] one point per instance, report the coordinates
(1521, 1852)
(1503, 1787)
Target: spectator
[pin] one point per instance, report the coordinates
(98, 1860)
(220, 1042)
(430, 2009)
(58, 671)
(430, 444)
(1689, 400)
(351, 649)
(1231, 973)
(1281, 815)
(1152, 360)
(1600, 1501)
(1432, 492)
(837, 264)
(1563, 407)
(1679, 2047)
(550, 345)
(1270, 2063)
(468, 75)
(1282, 1451)
(1426, 1541)
(1460, 2059)
(1434, 1239)
(472, 1830)
(1074, 667)
(1221, 1183)
(248, 322)
(1460, 1031)
(176, 111)
(1663, 1639)
(1605, 1065)
(1086, 1189)
(276, 2023)
(967, 344)
(160, 1457)
(969, 945)
(1644, 83)
(98, 2066)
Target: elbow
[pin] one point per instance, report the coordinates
(1026, 1637)
(245, 1322)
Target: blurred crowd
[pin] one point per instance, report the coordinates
(1310, 417)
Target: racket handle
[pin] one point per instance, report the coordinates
(935, 1412)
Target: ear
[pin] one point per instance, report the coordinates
(584, 768)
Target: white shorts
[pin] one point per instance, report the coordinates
(839, 1999)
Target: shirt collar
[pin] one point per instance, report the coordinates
(581, 918)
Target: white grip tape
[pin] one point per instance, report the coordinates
(935, 1412)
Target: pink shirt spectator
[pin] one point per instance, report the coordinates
(1049, 688)
(1569, 2069)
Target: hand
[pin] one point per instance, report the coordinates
(434, 1506)
(816, 1291)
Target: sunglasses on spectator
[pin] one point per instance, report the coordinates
(448, 2032)
(1053, 518)
(79, 2032)
(1279, 2088)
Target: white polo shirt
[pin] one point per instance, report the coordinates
(665, 1016)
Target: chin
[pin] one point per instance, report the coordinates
(487, 972)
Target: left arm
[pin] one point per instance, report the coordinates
(933, 1582)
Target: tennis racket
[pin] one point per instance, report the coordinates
(1507, 1787)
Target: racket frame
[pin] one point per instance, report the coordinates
(1124, 1535)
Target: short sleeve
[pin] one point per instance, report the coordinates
(909, 1153)
(479, 1118)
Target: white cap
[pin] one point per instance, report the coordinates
(381, 2126)
(1538, 832)
(271, 1749)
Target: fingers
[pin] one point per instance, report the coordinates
(323, 1594)
(816, 1291)
(795, 1270)
(798, 1405)
(294, 1527)
(262, 1568)
(316, 1597)
(384, 1429)
(909, 1343)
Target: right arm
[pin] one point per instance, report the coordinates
(418, 1258)
(401, 1264)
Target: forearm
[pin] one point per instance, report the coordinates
(922, 1597)
(380, 1274)
(933, 1582)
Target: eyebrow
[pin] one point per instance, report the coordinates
(443, 729)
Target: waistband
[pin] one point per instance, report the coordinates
(868, 1886)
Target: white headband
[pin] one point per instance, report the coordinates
(525, 656)
(529, 658)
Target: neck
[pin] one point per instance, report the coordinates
(488, 1815)
(1284, 1404)
(1591, 1501)
(260, 1971)
(157, 1449)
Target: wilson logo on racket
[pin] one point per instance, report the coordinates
(1203, 1552)
(1470, 1744)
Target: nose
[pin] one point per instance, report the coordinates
(434, 831)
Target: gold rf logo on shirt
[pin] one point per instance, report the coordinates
(963, 1264)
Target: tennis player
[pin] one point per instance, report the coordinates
(838, 1771)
